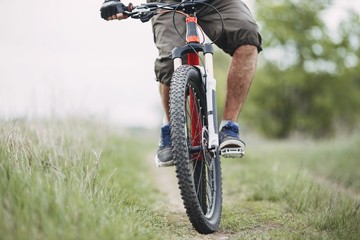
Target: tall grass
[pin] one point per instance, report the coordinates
(72, 180)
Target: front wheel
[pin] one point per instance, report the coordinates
(197, 167)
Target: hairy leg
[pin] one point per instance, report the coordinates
(164, 94)
(241, 73)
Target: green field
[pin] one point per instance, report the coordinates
(83, 180)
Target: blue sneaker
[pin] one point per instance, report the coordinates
(164, 156)
(230, 143)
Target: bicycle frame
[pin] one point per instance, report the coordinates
(192, 48)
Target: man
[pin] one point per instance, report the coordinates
(240, 39)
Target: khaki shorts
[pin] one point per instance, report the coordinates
(240, 29)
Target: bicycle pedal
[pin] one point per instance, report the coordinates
(232, 152)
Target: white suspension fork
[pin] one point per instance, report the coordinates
(211, 101)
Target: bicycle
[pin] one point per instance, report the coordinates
(193, 118)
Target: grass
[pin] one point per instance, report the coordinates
(83, 180)
(72, 180)
(280, 192)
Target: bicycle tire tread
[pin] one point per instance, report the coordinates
(186, 186)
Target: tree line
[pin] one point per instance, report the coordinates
(308, 78)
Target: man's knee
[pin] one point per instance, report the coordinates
(246, 56)
(246, 50)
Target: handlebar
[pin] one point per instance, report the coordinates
(146, 11)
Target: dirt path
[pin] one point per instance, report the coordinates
(166, 183)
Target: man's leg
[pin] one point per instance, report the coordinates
(241, 39)
(166, 38)
(241, 72)
(165, 97)
(164, 156)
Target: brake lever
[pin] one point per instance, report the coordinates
(144, 17)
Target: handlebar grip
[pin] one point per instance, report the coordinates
(113, 7)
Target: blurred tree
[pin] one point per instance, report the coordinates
(308, 79)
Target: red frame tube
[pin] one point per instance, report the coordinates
(193, 59)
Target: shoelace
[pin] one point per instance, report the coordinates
(231, 130)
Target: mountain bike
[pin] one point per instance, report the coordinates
(193, 117)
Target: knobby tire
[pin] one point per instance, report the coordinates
(198, 169)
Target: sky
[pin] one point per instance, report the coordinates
(59, 58)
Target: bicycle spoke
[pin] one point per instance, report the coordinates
(201, 161)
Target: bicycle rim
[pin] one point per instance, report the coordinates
(198, 169)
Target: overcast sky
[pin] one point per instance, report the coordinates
(59, 58)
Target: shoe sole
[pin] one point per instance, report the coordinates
(158, 163)
(232, 149)
(232, 143)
